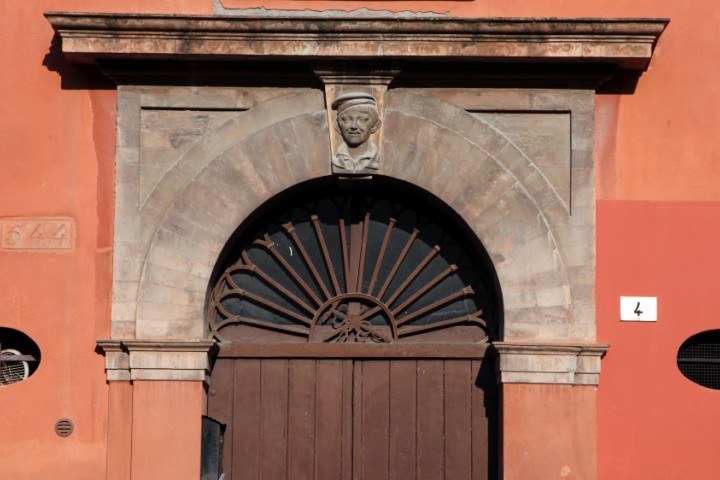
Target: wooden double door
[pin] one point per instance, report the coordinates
(361, 418)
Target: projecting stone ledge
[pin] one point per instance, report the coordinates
(144, 359)
(624, 43)
(548, 363)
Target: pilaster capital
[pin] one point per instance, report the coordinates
(148, 359)
(549, 363)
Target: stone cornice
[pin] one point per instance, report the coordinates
(623, 43)
(549, 363)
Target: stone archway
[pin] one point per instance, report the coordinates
(492, 184)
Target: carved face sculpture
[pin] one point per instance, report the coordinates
(357, 123)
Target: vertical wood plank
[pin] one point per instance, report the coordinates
(221, 403)
(374, 420)
(357, 410)
(430, 421)
(458, 419)
(403, 376)
(274, 419)
(301, 420)
(348, 378)
(246, 431)
(329, 418)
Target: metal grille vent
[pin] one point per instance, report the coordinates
(64, 427)
(13, 368)
(19, 356)
(699, 359)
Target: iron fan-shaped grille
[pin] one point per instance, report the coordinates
(352, 269)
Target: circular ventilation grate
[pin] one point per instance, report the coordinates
(64, 427)
(699, 359)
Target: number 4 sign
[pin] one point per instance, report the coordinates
(638, 309)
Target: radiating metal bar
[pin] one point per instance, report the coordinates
(370, 313)
(258, 299)
(261, 323)
(383, 247)
(289, 228)
(346, 260)
(288, 268)
(329, 336)
(444, 324)
(355, 247)
(326, 253)
(434, 305)
(250, 267)
(398, 262)
(435, 250)
(415, 296)
(363, 247)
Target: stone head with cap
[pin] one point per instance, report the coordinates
(357, 117)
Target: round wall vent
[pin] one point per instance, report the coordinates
(699, 359)
(64, 427)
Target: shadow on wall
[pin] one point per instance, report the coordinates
(74, 77)
(486, 381)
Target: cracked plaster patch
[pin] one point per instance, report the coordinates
(220, 9)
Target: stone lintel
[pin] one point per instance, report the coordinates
(89, 37)
(157, 359)
(556, 363)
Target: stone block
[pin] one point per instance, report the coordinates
(548, 363)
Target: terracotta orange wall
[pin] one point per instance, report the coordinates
(550, 432)
(57, 159)
(653, 423)
(167, 419)
(658, 187)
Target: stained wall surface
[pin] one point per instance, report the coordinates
(657, 194)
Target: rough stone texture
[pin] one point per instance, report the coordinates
(544, 139)
(171, 226)
(537, 228)
(542, 254)
(167, 135)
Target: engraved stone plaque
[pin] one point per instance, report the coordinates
(37, 233)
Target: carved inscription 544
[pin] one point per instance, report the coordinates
(34, 233)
